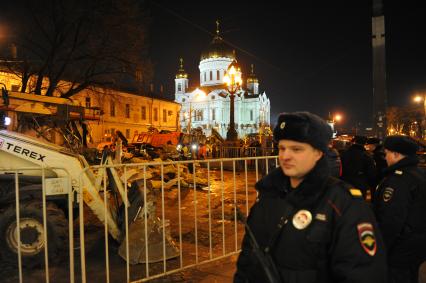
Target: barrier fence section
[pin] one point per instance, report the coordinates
(188, 215)
(155, 219)
(36, 210)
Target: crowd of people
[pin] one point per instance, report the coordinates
(358, 215)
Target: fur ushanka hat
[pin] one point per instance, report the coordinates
(401, 144)
(303, 127)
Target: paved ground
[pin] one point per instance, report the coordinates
(221, 271)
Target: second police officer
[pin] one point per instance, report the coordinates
(400, 207)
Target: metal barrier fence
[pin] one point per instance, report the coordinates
(170, 216)
(240, 152)
(29, 215)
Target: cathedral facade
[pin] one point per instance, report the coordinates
(208, 106)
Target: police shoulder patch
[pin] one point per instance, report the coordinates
(387, 194)
(367, 238)
(355, 192)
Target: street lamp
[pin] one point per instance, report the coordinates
(419, 98)
(337, 118)
(233, 81)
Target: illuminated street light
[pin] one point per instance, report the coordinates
(337, 118)
(233, 81)
(419, 98)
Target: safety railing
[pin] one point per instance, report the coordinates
(36, 210)
(155, 219)
(188, 216)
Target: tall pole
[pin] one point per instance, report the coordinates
(233, 80)
(232, 134)
(379, 69)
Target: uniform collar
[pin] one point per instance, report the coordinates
(314, 185)
(278, 183)
(407, 161)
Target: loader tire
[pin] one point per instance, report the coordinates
(32, 234)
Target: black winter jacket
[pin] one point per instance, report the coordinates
(341, 244)
(358, 168)
(400, 207)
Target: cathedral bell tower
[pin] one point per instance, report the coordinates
(181, 83)
(252, 82)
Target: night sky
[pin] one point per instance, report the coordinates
(308, 55)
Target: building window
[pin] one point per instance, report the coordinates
(15, 88)
(204, 76)
(199, 115)
(127, 133)
(164, 115)
(211, 75)
(213, 114)
(218, 75)
(143, 112)
(127, 110)
(183, 99)
(88, 104)
(213, 97)
(155, 114)
(179, 87)
(112, 109)
(251, 115)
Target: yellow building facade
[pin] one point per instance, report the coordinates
(106, 110)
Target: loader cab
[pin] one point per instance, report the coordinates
(4, 120)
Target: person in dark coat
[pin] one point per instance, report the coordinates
(400, 207)
(316, 228)
(376, 150)
(333, 161)
(358, 168)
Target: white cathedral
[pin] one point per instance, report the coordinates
(208, 106)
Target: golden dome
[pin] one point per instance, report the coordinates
(181, 74)
(251, 78)
(218, 48)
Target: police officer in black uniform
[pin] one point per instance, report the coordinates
(400, 207)
(315, 228)
(358, 167)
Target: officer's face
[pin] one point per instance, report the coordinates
(392, 157)
(297, 159)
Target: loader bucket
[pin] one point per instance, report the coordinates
(137, 243)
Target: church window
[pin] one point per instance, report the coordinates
(213, 97)
(179, 87)
(218, 75)
(251, 115)
(213, 114)
(199, 115)
(183, 99)
(211, 75)
(205, 76)
(155, 114)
